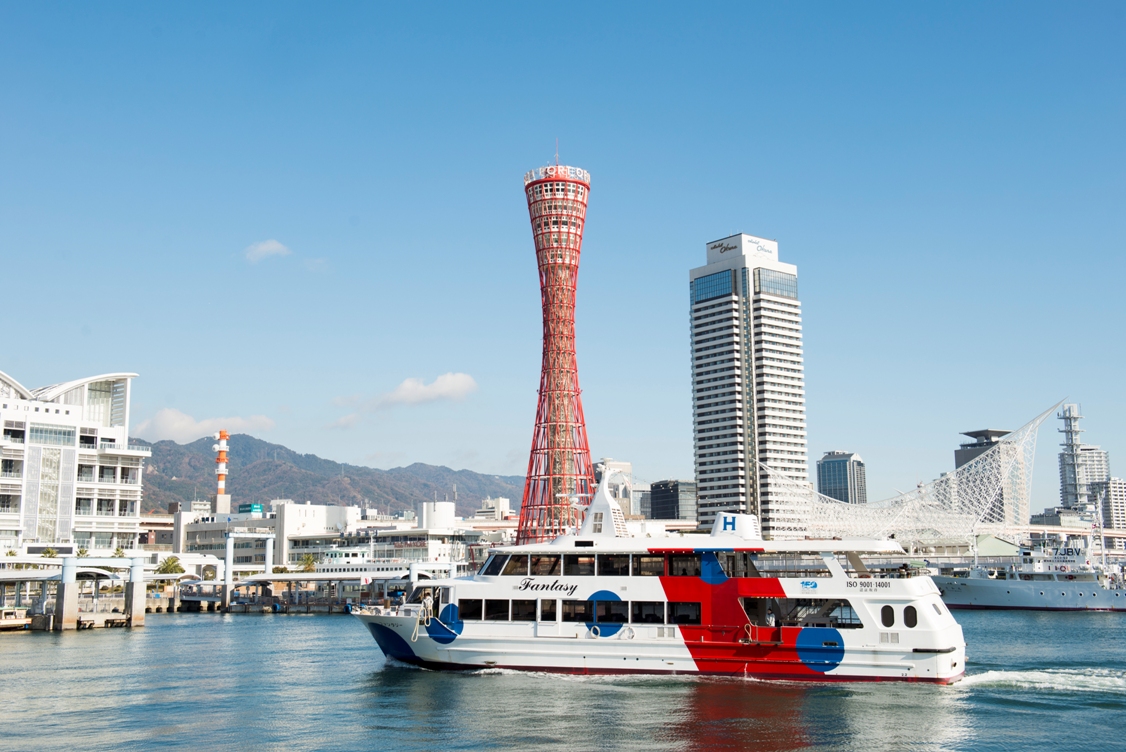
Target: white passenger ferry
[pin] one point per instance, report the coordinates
(730, 603)
(1062, 579)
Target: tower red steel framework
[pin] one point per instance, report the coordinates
(559, 468)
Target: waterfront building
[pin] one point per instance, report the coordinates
(1081, 465)
(748, 387)
(642, 499)
(840, 475)
(674, 500)
(620, 486)
(494, 509)
(69, 478)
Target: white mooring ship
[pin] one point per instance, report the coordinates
(602, 601)
(1061, 579)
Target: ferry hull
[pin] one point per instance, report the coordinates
(585, 655)
(1019, 595)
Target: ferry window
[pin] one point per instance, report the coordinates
(578, 611)
(844, 616)
(469, 610)
(791, 565)
(517, 565)
(887, 616)
(548, 610)
(684, 565)
(910, 616)
(494, 565)
(578, 565)
(648, 566)
(613, 565)
(684, 613)
(648, 612)
(737, 565)
(938, 609)
(545, 566)
(496, 610)
(523, 610)
(612, 612)
(443, 596)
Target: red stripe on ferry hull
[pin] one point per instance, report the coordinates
(715, 644)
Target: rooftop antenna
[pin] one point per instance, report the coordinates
(556, 152)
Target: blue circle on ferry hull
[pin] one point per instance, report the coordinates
(392, 645)
(447, 626)
(820, 648)
(605, 629)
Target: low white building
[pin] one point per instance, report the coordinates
(69, 479)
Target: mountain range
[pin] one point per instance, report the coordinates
(259, 471)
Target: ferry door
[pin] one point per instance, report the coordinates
(758, 610)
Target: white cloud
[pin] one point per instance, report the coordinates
(347, 421)
(255, 252)
(448, 386)
(170, 423)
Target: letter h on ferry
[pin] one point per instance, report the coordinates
(728, 523)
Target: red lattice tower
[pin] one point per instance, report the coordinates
(559, 468)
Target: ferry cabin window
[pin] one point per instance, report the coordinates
(517, 565)
(687, 565)
(494, 565)
(578, 611)
(611, 612)
(887, 616)
(910, 616)
(469, 610)
(737, 564)
(938, 608)
(545, 566)
(443, 596)
(496, 610)
(648, 566)
(523, 610)
(578, 565)
(613, 565)
(684, 613)
(791, 565)
(549, 610)
(648, 612)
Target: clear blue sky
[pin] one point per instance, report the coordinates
(949, 178)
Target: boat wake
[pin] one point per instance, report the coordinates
(1058, 680)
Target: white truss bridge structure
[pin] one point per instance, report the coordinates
(989, 494)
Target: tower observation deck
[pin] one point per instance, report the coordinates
(559, 468)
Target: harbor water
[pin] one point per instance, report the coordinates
(1034, 680)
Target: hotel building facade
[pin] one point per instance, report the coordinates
(69, 478)
(748, 384)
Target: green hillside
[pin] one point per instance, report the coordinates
(260, 471)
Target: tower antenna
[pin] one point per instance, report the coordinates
(557, 152)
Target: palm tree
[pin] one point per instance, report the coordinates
(82, 552)
(119, 552)
(49, 553)
(281, 570)
(171, 565)
(308, 563)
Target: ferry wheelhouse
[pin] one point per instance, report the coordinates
(601, 601)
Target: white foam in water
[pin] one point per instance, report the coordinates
(1060, 680)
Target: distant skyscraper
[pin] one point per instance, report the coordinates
(673, 500)
(748, 384)
(1081, 465)
(1111, 494)
(841, 476)
(983, 441)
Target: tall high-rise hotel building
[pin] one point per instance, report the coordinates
(748, 388)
